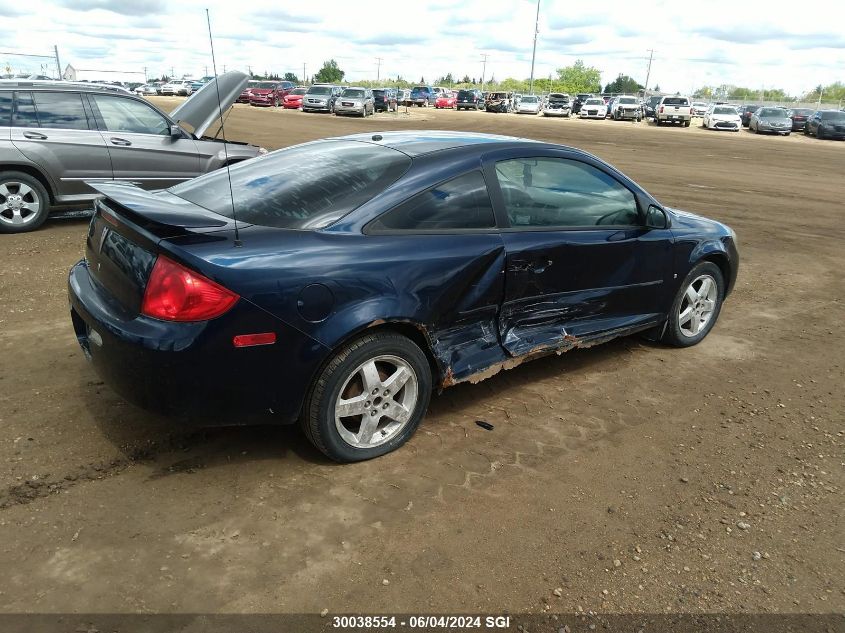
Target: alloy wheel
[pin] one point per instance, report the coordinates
(376, 402)
(697, 307)
(19, 203)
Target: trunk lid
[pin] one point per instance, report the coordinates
(125, 233)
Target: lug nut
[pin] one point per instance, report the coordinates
(384, 406)
(375, 391)
(367, 403)
(373, 412)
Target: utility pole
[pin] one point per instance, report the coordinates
(58, 64)
(304, 76)
(648, 72)
(483, 70)
(534, 51)
(378, 68)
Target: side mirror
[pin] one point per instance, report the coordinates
(656, 218)
(176, 132)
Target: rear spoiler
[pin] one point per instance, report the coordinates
(157, 210)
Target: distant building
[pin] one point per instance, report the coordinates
(102, 76)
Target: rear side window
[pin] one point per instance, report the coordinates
(63, 110)
(5, 109)
(460, 203)
(23, 114)
(303, 187)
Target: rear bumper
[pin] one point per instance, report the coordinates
(192, 368)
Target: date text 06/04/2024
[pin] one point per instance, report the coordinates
(421, 622)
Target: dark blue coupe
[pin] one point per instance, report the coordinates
(344, 279)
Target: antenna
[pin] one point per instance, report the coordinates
(223, 132)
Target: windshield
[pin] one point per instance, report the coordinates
(354, 93)
(419, 89)
(594, 102)
(833, 115)
(776, 113)
(378, 93)
(556, 96)
(266, 85)
(303, 187)
(724, 110)
(298, 91)
(676, 101)
(627, 100)
(320, 90)
(529, 99)
(802, 112)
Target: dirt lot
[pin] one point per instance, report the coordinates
(629, 477)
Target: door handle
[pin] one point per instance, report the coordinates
(120, 141)
(35, 135)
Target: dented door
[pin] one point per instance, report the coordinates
(580, 266)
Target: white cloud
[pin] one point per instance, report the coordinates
(789, 49)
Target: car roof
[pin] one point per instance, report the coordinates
(75, 86)
(420, 142)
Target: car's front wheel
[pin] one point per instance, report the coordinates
(24, 203)
(369, 399)
(696, 307)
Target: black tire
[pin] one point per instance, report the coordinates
(673, 334)
(686, 123)
(657, 121)
(318, 418)
(819, 133)
(37, 193)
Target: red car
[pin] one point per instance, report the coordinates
(293, 99)
(269, 93)
(244, 96)
(446, 100)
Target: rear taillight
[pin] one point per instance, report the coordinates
(175, 293)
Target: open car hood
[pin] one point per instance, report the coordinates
(202, 109)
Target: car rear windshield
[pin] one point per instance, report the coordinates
(320, 90)
(298, 91)
(529, 99)
(303, 187)
(676, 101)
(556, 96)
(356, 93)
(773, 112)
(465, 94)
(628, 100)
(378, 93)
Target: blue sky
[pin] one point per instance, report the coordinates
(753, 44)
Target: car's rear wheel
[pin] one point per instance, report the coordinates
(24, 203)
(696, 307)
(369, 399)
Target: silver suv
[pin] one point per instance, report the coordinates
(55, 136)
(321, 98)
